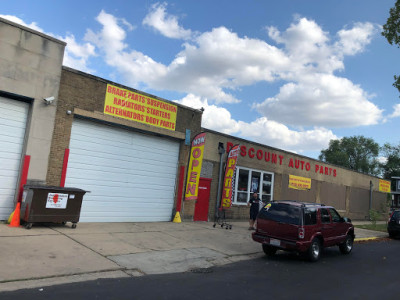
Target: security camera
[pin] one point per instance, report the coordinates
(48, 100)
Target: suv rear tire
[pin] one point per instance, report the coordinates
(314, 252)
(269, 250)
(347, 245)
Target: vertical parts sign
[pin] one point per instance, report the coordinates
(196, 160)
(132, 106)
(229, 179)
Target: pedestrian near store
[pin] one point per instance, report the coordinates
(254, 204)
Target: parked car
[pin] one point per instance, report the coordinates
(393, 226)
(303, 227)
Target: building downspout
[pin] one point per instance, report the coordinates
(370, 194)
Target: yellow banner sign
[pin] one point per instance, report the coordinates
(196, 160)
(229, 179)
(384, 186)
(129, 105)
(299, 183)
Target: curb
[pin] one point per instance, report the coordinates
(370, 239)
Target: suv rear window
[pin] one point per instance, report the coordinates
(396, 215)
(280, 212)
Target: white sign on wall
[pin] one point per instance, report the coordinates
(56, 200)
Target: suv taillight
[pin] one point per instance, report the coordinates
(301, 233)
(391, 216)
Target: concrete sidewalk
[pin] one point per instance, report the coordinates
(44, 256)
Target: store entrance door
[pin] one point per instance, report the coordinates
(202, 203)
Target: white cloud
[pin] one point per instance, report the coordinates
(382, 159)
(77, 55)
(261, 130)
(396, 111)
(134, 66)
(164, 23)
(214, 117)
(280, 136)
(321, 100)
(354, 40)
(307, 47)
(111, 37)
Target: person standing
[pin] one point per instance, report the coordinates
(254, 204)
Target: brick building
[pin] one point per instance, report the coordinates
(131, 149)
(273, 173)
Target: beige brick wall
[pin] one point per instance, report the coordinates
(348, 191)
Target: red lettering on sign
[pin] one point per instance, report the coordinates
(297, 163)
(195, 163)
(229, 146)
(196, 153)
(291, 165)
(191, 188)
(273, 158)
(267, 156)
(259, 154)
(251, 152)
(243, 150)
(193, 176)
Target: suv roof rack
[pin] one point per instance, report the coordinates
(313, 204)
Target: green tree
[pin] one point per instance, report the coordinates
(392, 165)
(357, 153)
(391, 31)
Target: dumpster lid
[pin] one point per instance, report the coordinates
(53, 188)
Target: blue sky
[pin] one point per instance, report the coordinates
(290, 74)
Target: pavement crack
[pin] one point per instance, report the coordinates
(80, 243)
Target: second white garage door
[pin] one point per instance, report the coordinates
(130, 176)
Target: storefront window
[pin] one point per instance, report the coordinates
(242, 186)
(249, 181)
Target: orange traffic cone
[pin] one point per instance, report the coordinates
(15, 222)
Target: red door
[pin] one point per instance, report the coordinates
(201, 207)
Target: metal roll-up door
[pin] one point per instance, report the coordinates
(130, 176)
(13, 117)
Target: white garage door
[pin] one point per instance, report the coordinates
(130, 176)
(13, 116)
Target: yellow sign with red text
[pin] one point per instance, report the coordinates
(384, 186)
(229, 179)
(133, 106)
(299, 183)
(195, 163)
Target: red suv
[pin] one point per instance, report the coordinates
(303, 227)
